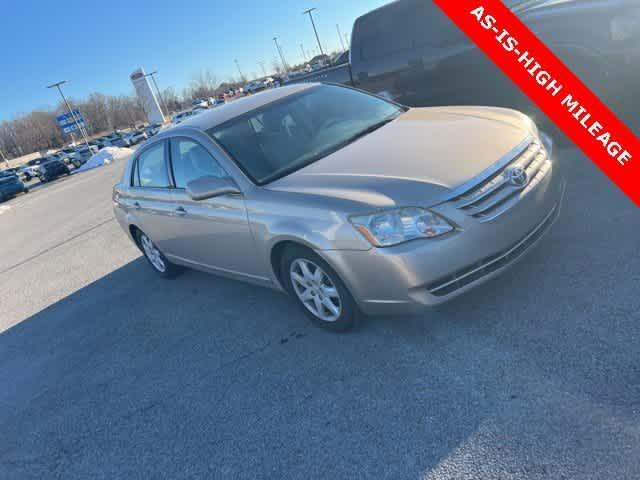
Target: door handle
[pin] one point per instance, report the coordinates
(181, 211)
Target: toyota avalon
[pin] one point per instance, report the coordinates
(347, 201)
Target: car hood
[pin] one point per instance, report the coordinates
(418, 159)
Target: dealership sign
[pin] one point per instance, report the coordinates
(69, 124)
(547, 81)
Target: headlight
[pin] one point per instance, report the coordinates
(392, 227)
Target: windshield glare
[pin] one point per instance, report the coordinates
(287, 135)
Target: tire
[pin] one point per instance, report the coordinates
(156, 258)
(26, 190)
(321, 295)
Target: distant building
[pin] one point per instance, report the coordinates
(147, 96)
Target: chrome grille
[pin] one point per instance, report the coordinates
(493, 194)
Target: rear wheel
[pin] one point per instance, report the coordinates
(156, 258)
(318, 290)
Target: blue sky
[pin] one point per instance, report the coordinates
(96, 45)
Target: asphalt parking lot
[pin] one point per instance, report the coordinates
(109, 372)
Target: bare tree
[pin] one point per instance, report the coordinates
(203, 84)
(277, 66)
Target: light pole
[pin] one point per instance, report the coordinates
(284, 63)
(75, 119)
(242, 77)
(153, 79)
(340, 36)
(308, 12)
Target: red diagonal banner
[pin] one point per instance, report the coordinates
(545, 79)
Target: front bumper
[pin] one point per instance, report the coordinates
(408, 277)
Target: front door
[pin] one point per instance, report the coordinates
(212, 233)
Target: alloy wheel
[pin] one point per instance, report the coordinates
(316, 290)
(153, 254)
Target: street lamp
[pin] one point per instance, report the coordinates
(75, 119)
(308, 12)
(284, 63)
(340, 36)
(242, 77)
(153, 79)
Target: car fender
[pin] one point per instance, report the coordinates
(317, 234)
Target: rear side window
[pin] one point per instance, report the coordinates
(190, 161)
(151, 168)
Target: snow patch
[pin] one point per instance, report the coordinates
(105, 157)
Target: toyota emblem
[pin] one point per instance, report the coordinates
(518, 177)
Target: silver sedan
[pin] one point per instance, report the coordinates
(349, 202)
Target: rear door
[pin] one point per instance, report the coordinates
(151, 198)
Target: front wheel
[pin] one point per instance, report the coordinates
(318, 289)
(156, 258)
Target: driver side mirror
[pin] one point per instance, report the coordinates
(209, 187)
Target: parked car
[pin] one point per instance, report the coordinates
(345, 200)
(10, 185)
(83, 153)
(52, 169)
(63, 156)
(153, 129)
(200, 102)
(409, 51)
(134, 137)
(113, 140)
(31, 168)
(256, 86)
(180, 117)
(216, 102)
(97, 142)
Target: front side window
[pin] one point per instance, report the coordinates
(151, 168)
(280, 138)
(190, 161)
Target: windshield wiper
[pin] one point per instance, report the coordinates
(366, 131)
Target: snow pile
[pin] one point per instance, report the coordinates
(105, 157)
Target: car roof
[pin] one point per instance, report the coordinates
(228, 111)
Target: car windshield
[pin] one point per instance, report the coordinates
(285, 136)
